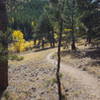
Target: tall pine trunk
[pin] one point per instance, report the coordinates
(53, 39)
(4, 44)
(73, 46)
(42, 43)
(89, 34)
(59, 62)
(61, 9)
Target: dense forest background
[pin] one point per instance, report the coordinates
(24, 15)
(36, 18)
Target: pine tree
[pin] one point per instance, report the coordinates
(4, 46)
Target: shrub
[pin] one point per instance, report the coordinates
(15, 57)
(19, 44)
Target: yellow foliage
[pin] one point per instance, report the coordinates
(22, 48)
(31, 44)
(33, 23)
(67, 30)
(12, 48)
(20, 45)
(55, 35)
(17, 35)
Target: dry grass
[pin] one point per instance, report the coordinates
(86, 59)
(28, 77)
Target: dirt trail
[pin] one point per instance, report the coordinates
(32, 78)
(82, 79)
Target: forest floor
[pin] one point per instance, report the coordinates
(81, 70)
(33, 78)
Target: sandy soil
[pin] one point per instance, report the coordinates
(34, 79)
(80, 84)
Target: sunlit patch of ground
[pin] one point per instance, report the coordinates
(85, 61)
(31, 78)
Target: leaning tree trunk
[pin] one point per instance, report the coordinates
(4, 46)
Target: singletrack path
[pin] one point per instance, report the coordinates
(81, 78)
(33, 79)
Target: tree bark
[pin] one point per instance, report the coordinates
(61, 9)
(89, 39)
(59, 61)
(3, 42)
(43, 43)
(73, 46)
(34, 41)
(53, 39)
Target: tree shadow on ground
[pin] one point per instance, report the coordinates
(93, 53)
(1, 92)
(95, 63)
(73, 54)
(39, 50)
